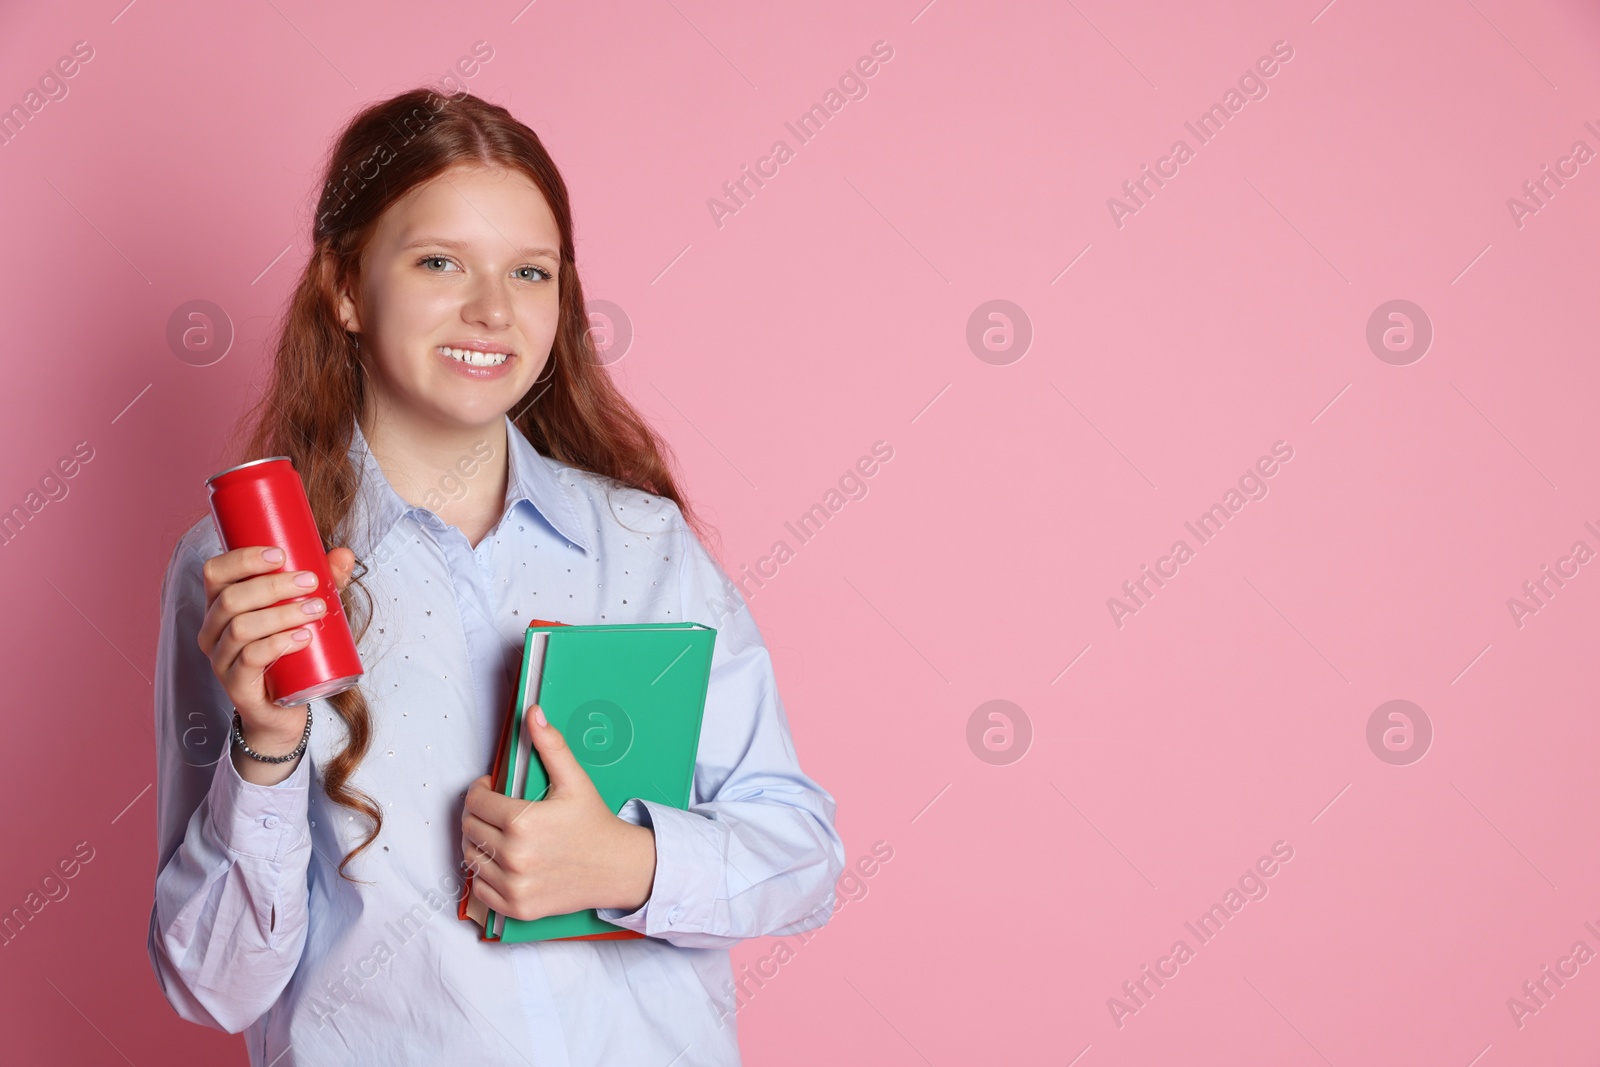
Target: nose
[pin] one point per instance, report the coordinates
(488, 305)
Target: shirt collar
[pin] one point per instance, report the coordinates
(531, 477)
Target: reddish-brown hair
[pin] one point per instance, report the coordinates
(575, 415)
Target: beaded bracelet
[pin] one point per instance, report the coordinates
(238, 739)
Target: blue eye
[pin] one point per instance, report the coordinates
(543, 275)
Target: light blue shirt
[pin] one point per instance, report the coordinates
(253, 930)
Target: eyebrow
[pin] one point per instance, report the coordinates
(443, 242)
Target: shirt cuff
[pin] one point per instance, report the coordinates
(689, 872)
(264, 821)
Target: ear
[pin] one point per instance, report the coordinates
(344, 308)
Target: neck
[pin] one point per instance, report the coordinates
(449, 469)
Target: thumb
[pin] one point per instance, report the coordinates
(566, 774)
(342, 562)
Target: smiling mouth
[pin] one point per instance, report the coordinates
(474, 358)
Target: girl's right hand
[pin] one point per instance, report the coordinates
(243, 633)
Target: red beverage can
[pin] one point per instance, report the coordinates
(263, 502)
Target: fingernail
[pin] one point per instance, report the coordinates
(538, 716)
(272, 555)
(312, 606)
(306, 580)
(302, 635)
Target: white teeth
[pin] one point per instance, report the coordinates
(476, 359)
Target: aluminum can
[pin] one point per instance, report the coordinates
(263, 502)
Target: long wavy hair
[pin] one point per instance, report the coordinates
(316, 389)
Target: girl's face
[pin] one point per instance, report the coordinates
(457, 305)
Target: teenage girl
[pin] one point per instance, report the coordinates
(472, 467)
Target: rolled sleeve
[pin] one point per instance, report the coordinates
(266, 822)
(688, 881)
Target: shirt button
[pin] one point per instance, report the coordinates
(270, 822)
(674, 915)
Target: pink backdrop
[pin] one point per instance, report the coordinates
(1045, 451)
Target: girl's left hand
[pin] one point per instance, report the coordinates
(565, 853)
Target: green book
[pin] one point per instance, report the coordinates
(628, 698)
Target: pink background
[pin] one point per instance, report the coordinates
(831, 312)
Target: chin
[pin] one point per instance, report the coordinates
(484, 416)
(485, 412)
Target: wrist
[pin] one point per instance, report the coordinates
(257, 773)
(272, 766)
(636, 875)
(287, 734)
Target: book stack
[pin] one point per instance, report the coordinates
(629, 699)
